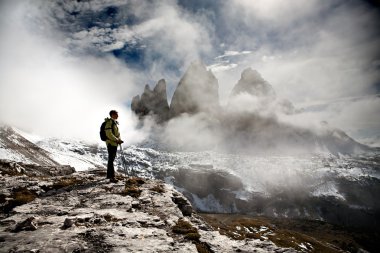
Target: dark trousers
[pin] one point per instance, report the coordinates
(111, 158)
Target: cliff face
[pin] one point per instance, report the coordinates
(152, 102)
(197, 91)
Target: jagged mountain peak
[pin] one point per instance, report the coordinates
(253, 83)
(197, 91)
(160, 87)
(147, 87)
(198, 69)
(153, 102)
(251, 74)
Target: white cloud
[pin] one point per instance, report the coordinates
(175, 34)
(45, 90)
(310, 52)
(104, 39)
(276, 12)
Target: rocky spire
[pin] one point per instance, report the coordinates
(197, 91)
(152, 102)
(252, 83)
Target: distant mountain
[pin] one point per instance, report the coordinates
(196, 92)
(252, 83)
(76, 153)
(248, 123)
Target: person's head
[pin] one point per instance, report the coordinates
(114, 114)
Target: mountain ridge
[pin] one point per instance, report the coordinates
(250, 122)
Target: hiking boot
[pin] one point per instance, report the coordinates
(113, 180)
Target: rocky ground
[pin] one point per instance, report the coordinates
(51, 210)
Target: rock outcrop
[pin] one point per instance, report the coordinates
(152, 102)
(83, 212)
(196, 92)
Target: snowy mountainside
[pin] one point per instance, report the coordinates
(14, 147)
(316, 186)
(80, 155)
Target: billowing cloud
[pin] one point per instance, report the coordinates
(46, 90)
(98, 54)
(311, 52)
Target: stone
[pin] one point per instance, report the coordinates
(68, 223)
(183, 204)
(26, 225)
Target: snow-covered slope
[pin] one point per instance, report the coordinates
(15, 147)
(315, 186)
(318, 186)
(80, 155)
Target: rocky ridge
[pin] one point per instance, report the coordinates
(83, 212)
(254, 121)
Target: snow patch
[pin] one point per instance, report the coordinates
(328, 189)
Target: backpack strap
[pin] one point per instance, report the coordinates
(112, 125)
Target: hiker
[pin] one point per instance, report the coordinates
(113, 139)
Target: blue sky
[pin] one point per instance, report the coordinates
(317, 54)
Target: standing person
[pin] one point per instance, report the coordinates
(113, 139)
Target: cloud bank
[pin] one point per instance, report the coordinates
(46, 90)
(312, 52)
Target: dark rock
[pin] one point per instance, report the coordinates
(68, 223)
(136, 204)
(204, 182)
(26, 225)
(183, 204)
